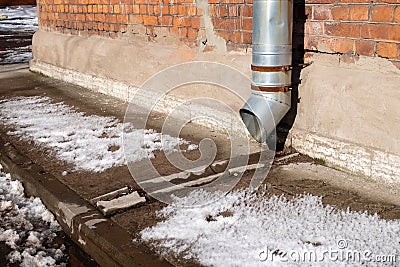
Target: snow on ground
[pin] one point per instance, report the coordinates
(17, 25)
(16, 56)
(246, 229)
(27, 227)
(89, 142)
(19, 18)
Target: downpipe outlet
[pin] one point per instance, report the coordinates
(271, 67)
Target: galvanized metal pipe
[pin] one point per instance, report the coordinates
(271, 67)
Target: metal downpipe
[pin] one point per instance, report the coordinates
(271, 67)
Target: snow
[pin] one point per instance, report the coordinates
(19, 18)
(27, 227)
(88, 142)
(16, 56)
(241, 228)
(16, 30)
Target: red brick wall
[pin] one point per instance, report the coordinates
(357, 27)
(360, 27)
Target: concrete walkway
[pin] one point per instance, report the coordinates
(109, 239)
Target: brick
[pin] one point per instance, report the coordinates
(174, 30)
(247, 24)
(89, 17)
(191, 11)
(88, 26)
(358, 12)
(106, 8)
(173, 10)
(219, 11)
(181, 22)
(246, 37)
(322, 12)
(234, 1)
(356, 1)
(381, 32)
(314, 28)
(80, 17)
(192, 33)
(382, 13)
(342, 29)
(116, 9)
(150, 20)
(246, 11)
(224, 35)
(139, 19)
(344, 45)
(235, 37)
(233, 11)
(166, 20)
(326, 44)
(224, 23)
(183, 32)
(396, 16)
(320, 1)
(136, 9)
(195, 23)
(387, 50)
(123, 19)
(340, 13)
(182, 10)
(99, 17)
(390, 1)
(150, 10)
(110, 18)
(365, 48)
(143, 9)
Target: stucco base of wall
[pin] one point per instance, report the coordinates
(349, 157)
(347, 113)
(349, 116)
(119, 67)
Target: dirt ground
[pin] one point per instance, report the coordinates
(90, 185)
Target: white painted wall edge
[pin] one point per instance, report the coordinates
(365, 161)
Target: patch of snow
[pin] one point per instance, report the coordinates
(241, 228)
(88, 142)
(27, 227)
(16, 57)
(19, 18)
(192, 147)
